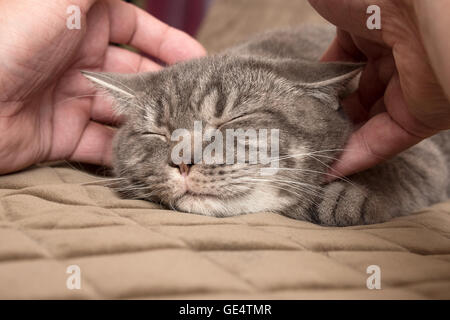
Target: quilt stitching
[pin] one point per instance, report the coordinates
(157, 224)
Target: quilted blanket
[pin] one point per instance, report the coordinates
(55, 217)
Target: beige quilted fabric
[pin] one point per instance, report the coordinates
(50, 219)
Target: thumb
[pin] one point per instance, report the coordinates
(377, 140)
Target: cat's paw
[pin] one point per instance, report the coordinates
(348, 204)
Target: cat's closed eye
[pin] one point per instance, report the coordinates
(240, 117)
(154, 134)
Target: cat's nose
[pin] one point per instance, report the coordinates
(184, 168)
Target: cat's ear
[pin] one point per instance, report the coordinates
(123, 88)
(328, 82)
(325, 81)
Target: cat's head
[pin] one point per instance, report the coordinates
(296, 101)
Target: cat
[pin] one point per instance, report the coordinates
(273, 81)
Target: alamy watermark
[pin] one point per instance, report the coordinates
(374, 280)
(73, 281)
(73, 21)
(374, 21)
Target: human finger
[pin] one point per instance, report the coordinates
(132, 25)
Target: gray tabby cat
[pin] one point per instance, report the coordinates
(272, 81)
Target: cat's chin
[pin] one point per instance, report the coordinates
(210, 205)
(204, 204)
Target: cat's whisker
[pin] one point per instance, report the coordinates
(290, 156)
(280, 188)
(133, 188)
(84, 173)
(311, 171)
(303, 186)
(307, 186)
(316, 153)
(314, 157)
(283, 187)
(153, 192)
(330, 168)
(291, 184)
(81, 96)
(172, 206)
(315, 189)
(98, 182)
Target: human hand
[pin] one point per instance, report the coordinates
(404, 90)
(48, 110)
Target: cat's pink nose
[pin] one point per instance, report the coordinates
(184, 168)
